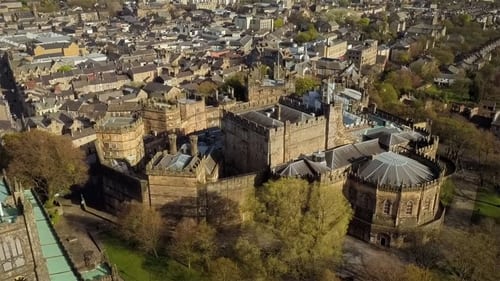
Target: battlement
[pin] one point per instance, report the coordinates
(165, 107)
(298, 105)
(241, 121)
(118, 125)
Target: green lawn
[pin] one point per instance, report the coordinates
(487, 204)
(134, 265)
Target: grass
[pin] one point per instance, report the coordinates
(134, 265)
(487, 204)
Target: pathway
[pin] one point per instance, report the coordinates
(361, 260)
(459, 214)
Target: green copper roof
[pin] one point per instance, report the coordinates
(58, 264)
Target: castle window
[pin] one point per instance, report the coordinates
(427, 204)
(387, 207)
(409, 208)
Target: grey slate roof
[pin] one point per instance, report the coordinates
(394, 169)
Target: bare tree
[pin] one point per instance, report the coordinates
(193, 243)
(142, 225)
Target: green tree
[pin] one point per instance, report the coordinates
(402, 80)
(237, 82)
(387, 93)
(65, 68)
(305, 84)
(141, 225)
(447, 192)
(48, 6)
(297, 237)
(193, 243)
(363, 22)
(443, 55)
(85, 4)
(224, 269)
(278, 23)
(47, 162)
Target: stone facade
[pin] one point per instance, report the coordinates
(333, 49)
(258, 140)
(120, 139)
(385, 213)
(364, 54)
(21, 253)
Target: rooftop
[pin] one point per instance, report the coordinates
(117, 122)
(276, 116)
(390, 168)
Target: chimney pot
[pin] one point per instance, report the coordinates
(193, 141)
(172, 141)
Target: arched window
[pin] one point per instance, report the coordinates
(387, 207)
(409, 207)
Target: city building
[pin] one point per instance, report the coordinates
(364, 54)
(333, 49)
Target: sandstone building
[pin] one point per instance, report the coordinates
(392, 181)
(260, 138)
(364, 54)
(120, 139)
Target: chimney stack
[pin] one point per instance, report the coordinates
(193, 141)
(278, 111)
(172, 141)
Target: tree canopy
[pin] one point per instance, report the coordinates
(193, 243)
(142, 225)
(296, 238)
(47, 162)
(305, 84)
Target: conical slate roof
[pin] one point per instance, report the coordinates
(390, 168)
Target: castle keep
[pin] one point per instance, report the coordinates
(259, 138)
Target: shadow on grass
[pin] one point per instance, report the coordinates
(135, 265)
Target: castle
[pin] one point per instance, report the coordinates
(206, 170)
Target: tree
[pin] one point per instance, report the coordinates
(278, 23)
(207, 88)
(64, 68)
(114, 6)
(47, 162)
(224, 269)
(387, 92)
(142, 225)
(459, 135)
(305, 84)
(415, 273)
(470, 255)
(47, 6)
(328, 275)
(296, 238)
(237, 82)
(447, 192)
(402, 80)
(85, 4)
(193, 243)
